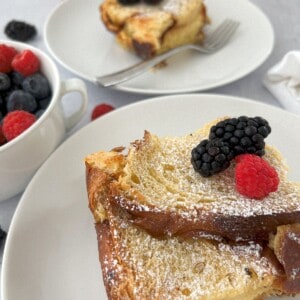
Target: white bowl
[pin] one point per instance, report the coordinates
(22, 156)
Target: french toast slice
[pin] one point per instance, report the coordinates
(136, 265)
(149, 30)
(157, 186)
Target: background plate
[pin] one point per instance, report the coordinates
(76, 37)
(51, 249)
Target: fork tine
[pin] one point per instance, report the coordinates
(215, 34)
(223, 36)
(226, 35)
(213, 42)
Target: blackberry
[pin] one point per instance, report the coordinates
(2, 236)
(20, 31)
(128, 2)
(152, 2)
(243, 134)
(211, 157)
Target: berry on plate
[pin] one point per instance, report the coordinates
(228, 139)
(211, 157)
(19, 30)
(2, 236)
(16, 122)
(243, 134)
(128, 2)
(100, 110)
(255, 177)
(26, 63)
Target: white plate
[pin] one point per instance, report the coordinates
(76, 37)
(51, 250)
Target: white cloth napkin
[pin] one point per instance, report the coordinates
(283, 81)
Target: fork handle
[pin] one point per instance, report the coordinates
(135, 70)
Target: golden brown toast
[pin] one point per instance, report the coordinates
(157, 186)
(136, 265)
(149, 30)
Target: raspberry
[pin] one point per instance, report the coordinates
(100, 110)
(16, 122)
(2, 137)
(254, 177)
(26, 63)
(7, 54)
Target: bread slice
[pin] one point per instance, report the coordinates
(136, 265)
(157, 186)
(149, 30)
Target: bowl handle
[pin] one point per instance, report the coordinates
(75, 85)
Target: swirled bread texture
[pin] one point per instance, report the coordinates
(149, 30)
(157, 185)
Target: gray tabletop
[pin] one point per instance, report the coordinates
(284, 16)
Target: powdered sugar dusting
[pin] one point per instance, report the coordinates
(173, 269)
(168, 181)
(174, 7)
(294, 237)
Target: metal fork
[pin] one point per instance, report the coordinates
(215, 41)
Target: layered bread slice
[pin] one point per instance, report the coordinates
(136, 265)
(156, 184)
(149, 30)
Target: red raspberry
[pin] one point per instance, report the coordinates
(100, 110)
(254, 177)
(2, 137)
(26, 63)
(7, 54)
(16, 122)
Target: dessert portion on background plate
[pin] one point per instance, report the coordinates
(210, 215)
(149, 28)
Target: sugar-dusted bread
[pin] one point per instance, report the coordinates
(157, 186)
(136, 265)
(149, 30)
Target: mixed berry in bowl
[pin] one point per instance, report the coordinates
(25, 92)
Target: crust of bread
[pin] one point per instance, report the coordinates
(224, 216)
(129, 274)
(138, 266)
(206, 263)
(149, 30)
